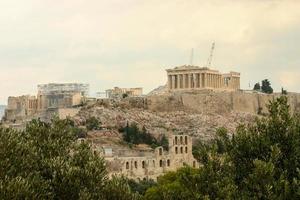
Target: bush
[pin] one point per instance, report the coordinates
(93, 123)
(133, 135)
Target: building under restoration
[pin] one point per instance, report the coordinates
(50, 98)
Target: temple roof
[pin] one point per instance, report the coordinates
(189, 67)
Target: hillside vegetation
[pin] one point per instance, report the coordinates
(260, 160)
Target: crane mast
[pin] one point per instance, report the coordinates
(209, 60)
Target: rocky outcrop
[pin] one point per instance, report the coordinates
(198, 114)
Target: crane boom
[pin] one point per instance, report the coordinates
(209, 60)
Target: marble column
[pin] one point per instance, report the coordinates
(200, 79)
(169, 82)
(173, 82)
(178, 81)
(216, 81)
(207, 80)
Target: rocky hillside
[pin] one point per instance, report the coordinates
(198, 114)
(115, 114)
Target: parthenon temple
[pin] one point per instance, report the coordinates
(189, 77)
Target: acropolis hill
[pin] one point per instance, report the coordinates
(191, 106)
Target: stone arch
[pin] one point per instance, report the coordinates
(153, 162)
(135, 164)
(143, 164)
(176, 140)
(160, 163)
(160, 150)
(168, 162)
(181, 149)
(185, 140)
(176, 150)
(181, 140)
(186, 149)
(127, 165)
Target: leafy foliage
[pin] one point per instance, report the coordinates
(93, 123)
(141, 186)
(284, 92)
(45, 161)
(257, 87)
(260, 161)
(266, 86)
(133, 135)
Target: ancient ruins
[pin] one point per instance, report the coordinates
(117, 92)
(154, 164)
(190, 77)
(51, 99)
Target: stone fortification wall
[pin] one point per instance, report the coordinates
(217, 102)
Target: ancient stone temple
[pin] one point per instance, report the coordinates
(189, 77)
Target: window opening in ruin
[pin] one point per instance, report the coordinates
(135, 164)
(143, 164)
(127, 165)
(176, 140)
(186, 149)
(160, 151)
(194, 163)
(176, 150)
(153, 163)
(185, 138)
(160, 163)
(168, 163)
(181, 140)
(181, 149)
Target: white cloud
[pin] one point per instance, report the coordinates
(131, 42)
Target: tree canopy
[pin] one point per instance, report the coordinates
(266, 86)
(132, 134)
(259, 161)
(46, 161)
(257, 87)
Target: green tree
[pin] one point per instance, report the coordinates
(266, 86)
(164, 142)
(141, 186)
(284, 92)
(92, 123)
(260, 160)
(133, 135)
(45, 161)
(257, 87)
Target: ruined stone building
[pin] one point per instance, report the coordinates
(51, 99)
(150, 166)
(197, 78)
(117, 92)
(20, 107)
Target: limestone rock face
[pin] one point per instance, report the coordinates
(197, 114)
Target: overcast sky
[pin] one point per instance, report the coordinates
(130, 43)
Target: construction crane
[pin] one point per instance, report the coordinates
(192, 56)
(211, 55)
